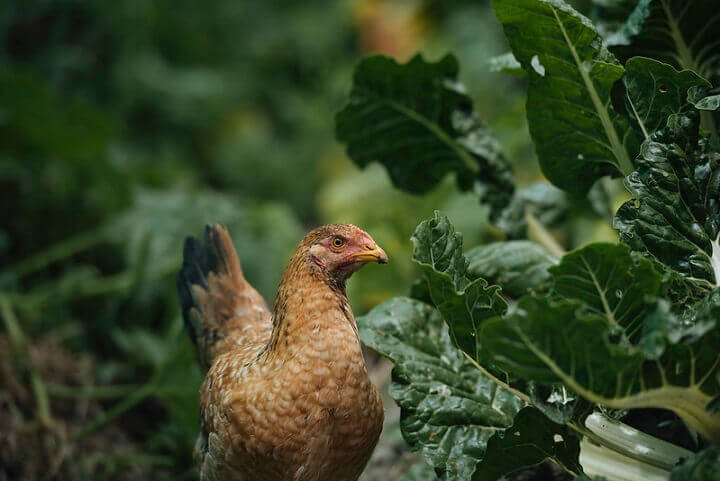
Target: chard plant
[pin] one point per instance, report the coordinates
(515, 353)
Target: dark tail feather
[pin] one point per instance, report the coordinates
(217, 302)
(216, 256)
(194, 271)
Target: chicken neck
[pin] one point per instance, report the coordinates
(312, 310)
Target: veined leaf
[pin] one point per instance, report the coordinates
(616, 349)
(516, 266)
(655, 90)
(464, 303)
(449, 408)
(605, 293)
(578, 136)
(683, 33)
(675, 215)
(417, 120)
(551, 342)
(611, 282)
(532, 439)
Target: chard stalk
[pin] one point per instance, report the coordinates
(622, 453)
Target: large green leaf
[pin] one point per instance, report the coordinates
(684, 33)
(606, 340)
(611, 282)
(516, 266)
(557, 341)
(675, 214)
(700, 330)
(464, 303)
(578, 136)
(655, 90)
(544, 333)
(704, 466)
(449, 408)
(417, 120)
(531, 439)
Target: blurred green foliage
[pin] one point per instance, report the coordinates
(126, 126)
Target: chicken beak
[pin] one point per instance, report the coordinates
(373, 254)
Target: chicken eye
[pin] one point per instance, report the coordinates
(338, 242)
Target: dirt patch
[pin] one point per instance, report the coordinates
(31, 451)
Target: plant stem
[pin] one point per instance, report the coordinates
(19, 343)
(636, 444)
(707, 122)
(540, 235)
(685, 56)
(598, 460)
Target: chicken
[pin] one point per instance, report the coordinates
(286, 395)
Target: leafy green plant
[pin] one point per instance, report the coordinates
(519, 352)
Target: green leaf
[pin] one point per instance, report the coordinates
(655, 90)
(704, 99)
(578, 136)
(516, 266)
(420, 472)
(604, 338)
(557, 403)
(611, 282)
(675, 214)
(682, 33)
(417, 120)
(464, 303)
(545, 340)
(532, 439)
(449, 409)
(700, 330)
(703, 466)
(558, 341)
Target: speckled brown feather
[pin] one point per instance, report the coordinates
(291, 402)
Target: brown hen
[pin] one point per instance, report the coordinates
(286, 395)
